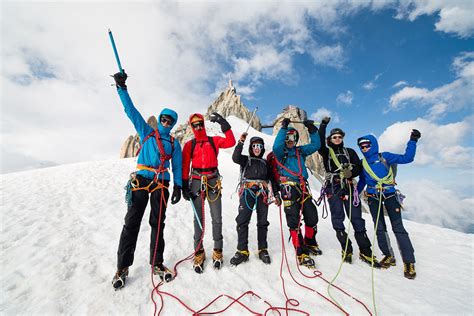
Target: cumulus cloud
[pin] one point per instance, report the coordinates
(430, 203)
(454, 16)
(345, 97)
(322, 112)
(449, 97)
(439, 145)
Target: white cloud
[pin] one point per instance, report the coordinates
(439, 145)
(322, 112)
(455, 16)
(400, 84)
(430, 203)
(449, 97)
(329, 56)
(370, 85)
(345, 97)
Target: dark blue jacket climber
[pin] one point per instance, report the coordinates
(379, 168)
(149, 154)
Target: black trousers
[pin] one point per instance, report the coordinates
(248, 201)
(291, 196)
(133, 219)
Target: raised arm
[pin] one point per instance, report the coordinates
(279, 144)
(315, 143)
(237, 156)
(323, 150)
(142, 128)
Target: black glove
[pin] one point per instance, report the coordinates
(176, 194)
(415, 135)
(325, 120)
(277, 199)
(217, 118)
(285, 123)
(120, 79)
(310, 126)
(186, 192)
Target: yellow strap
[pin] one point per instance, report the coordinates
(155, 170)
(387, 180)
(159, 185)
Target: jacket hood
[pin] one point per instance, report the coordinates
(256, 139)
(166, 130)
(374, 148)
(199, 135)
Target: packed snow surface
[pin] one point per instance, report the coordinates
(60, 228)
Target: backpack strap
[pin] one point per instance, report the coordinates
(209, 139)
(387, 180)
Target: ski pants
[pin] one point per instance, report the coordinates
(133, 218)
(394, 213)
(340, 205)
(292, 200)
(216, 213)
(249, 202)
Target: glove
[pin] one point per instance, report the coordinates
(243, 137)
(176, 194)
(120, 79)
(186, 192)
(325, 120)
(310, 126)
(285, 123)
(277, 199)
(415, 135)
(217, 118)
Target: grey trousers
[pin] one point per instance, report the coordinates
(216, 214)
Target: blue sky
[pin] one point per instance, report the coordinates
(381, 67)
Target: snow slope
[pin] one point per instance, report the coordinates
(59, 235)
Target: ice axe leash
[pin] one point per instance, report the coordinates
(111, 36)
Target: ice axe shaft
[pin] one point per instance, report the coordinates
(295, 122)
(251, 118)
(115, 51)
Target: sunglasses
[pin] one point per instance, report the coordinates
(197, 124)
(259, 146)
(166, 120)
(337, 137)
(290, 138)
(365, 146)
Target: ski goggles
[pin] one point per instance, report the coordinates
(198, 124)
(365, 145)
(291, 137)
(257, 145)
(165, 119)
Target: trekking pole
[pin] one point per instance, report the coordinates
(251, 118)
(115, 51)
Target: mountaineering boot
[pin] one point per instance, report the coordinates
(307, 261)
(368, 259)
(163, 272)
(119, 279)
(409, 270)
(347, 257)
(239, 257)
(314, 250)
(387, 262)
(199, 258)
(264, 256)
(217, 258)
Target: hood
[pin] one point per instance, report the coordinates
(256, 139)
(374, 149)
(199, 135)
(166, 130)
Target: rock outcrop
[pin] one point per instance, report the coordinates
(132, 143)
(313, 162)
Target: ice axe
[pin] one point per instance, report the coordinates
(115, 51)
(251, 118)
